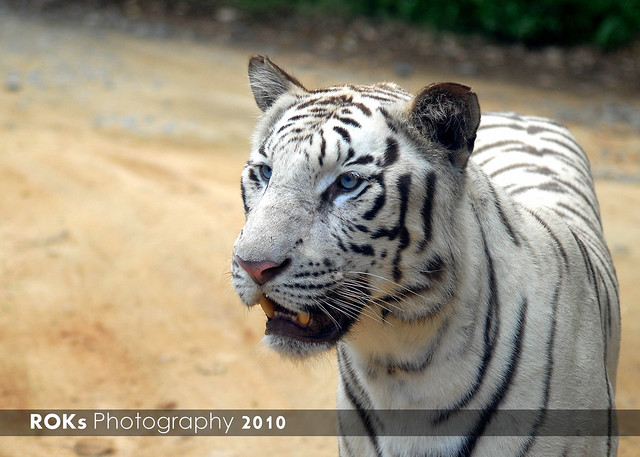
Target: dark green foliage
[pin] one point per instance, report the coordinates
(605, 23)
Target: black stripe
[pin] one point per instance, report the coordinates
(427, 210)
(550, 344)
(607, 311)
(298, 117)
(491, 328)
(509, 167)
(340, 245)
(552, 186)
(323, 150)
(377, 206)
(584, 196)
(552, 235)
(503, 218)
(311, 101)
(404, 188)
(601, 254)
(326, 90)
(335, 100)
(586, 259)
(380, 200)
(364, 249)
(327, 196)
(349, 121)
(497, 144)
(390, 152)
(363, 160)
(362, 107)
(319, 112)
(367, 417)
(510, 123)
(284, 127)
(518, 146)
(387, 116)
(344, 133)
(606, 327)
(350, 153)
(379, 98)
(588, 222)
(506, 376)
(251, 174)
(308, 286)
(243, 192)
(572, 147)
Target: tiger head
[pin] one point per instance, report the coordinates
(350, 195)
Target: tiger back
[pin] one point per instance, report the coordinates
(457, 266)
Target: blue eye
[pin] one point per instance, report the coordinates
(349, 181)
(265, 171)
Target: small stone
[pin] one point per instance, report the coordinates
(12, 83)
(621, 251)
(467, 68)
(403, 69)
(554, 58)
(211, 370)
(169, 404)
(94, 447)
(166, 358)
(227, 15)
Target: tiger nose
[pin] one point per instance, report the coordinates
(263, 270)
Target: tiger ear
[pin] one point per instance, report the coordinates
(448, 114)
(269, 82)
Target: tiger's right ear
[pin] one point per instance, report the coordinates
(448, 114)
(269, 82)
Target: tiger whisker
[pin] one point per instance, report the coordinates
(346, 308)
(400, 286)
(365, 301)
(377, 288)
(319, 302)
(364, 310)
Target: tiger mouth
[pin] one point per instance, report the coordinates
(312, 327)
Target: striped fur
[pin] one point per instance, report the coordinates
(446, 279)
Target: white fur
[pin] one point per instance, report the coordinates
(566, 337)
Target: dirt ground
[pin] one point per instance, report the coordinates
(120, 159)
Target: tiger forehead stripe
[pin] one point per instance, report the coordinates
(362, 160)
(348, 121)
(344, 133)
(323, 150)
(391, 152)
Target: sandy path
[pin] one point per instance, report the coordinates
(119, 204)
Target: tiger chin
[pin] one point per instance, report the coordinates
(456, 262)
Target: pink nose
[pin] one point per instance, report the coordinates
(263, 270)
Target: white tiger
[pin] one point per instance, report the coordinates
(450, 282)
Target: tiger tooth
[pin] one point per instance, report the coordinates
(303, 319)
(267, 306)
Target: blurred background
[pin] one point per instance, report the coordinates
(124, 126)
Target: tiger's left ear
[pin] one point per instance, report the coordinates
(269, 82)
(448, 114)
